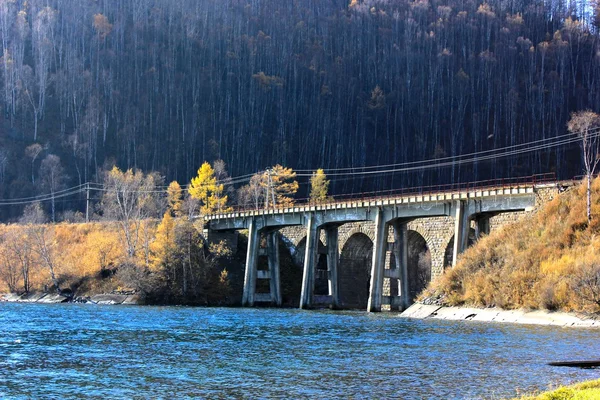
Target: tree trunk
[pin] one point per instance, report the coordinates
(589, 197)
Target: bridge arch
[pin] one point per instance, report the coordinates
(354, 273)
(419, 263)
(449, 250)
(362, 228)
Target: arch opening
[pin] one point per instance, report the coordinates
(354, 272)
(290, 275)
(321, 277)
(419, 264)
(450, 247)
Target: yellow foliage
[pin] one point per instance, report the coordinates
(174, 199)
(205, 188)
(163, 247)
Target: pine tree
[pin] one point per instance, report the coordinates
(319, 186)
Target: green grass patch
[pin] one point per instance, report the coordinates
(582, 391)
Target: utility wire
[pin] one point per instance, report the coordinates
(514, 150)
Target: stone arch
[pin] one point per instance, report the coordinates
(449, 250)
(354, 273)
(419, 263)
(362, 228)
(425, 234)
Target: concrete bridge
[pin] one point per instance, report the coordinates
(376, 253)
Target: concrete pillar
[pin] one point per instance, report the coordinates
(378, 266)
(461, 230)
(310, 261)
(401, 255)
(273, 257)
(483, 226)
(332, 264)
(251, 259)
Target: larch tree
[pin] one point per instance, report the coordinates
(175, 199)
(319, 186)
(280, 186)
(586, 124)
(164, 247)
(208, 191)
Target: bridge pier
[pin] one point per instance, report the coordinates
(378, 265)
(461, 230)
(310, 261)
(401, 256)
(332, 264)
(274, 277)
(251, 264)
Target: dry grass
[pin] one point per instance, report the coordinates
(550, 261)
(80, 253)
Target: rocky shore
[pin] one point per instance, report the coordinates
(537, 317)
(49, 298)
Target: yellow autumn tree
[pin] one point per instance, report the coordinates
(319, 186)
(280, 186)
(208, 191)
(174, 199)
(164, 247)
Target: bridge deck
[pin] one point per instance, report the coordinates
(508, 190)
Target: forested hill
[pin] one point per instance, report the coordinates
(163, 85)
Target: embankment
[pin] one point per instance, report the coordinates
(53, 298)
(534, 317)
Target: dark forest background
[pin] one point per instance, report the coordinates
(162, 85)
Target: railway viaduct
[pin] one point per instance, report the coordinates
(373, 253)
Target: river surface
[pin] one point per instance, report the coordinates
(91, 351)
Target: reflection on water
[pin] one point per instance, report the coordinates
(75, 350)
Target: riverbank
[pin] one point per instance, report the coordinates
(535, 317)
(54, 298)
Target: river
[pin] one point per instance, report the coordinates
(91, 351)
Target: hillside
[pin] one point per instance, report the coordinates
(163, 85)
(550, 260)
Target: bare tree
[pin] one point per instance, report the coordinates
(20, 250)
(129, 197)
(53, 178)
(3, 164)
(33, 151)
(587, 124)
(41, 239)
(9, 270)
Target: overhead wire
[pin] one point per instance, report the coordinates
(485, 155)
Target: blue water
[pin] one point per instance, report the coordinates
(80, 350)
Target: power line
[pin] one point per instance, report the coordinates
(514, 150)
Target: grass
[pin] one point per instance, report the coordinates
(582, 391)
